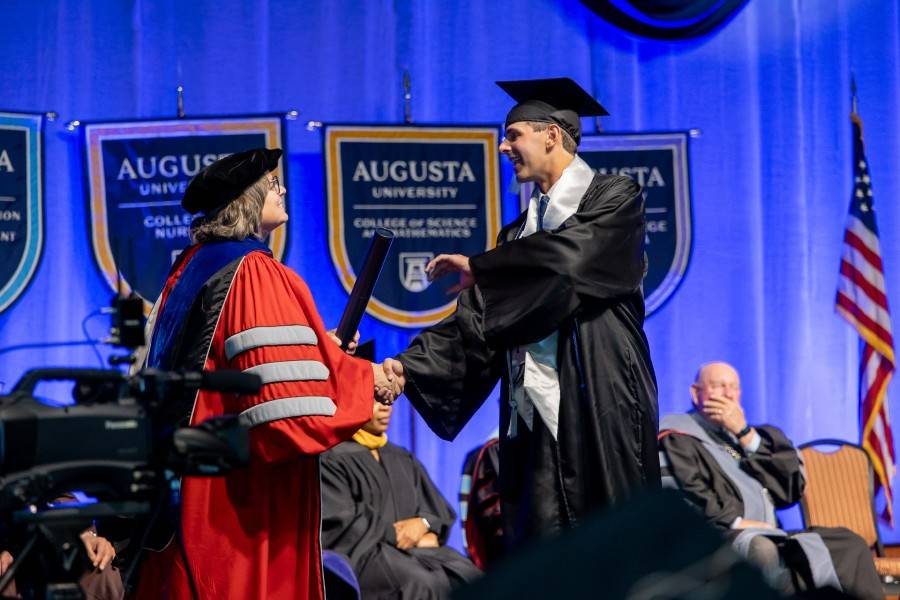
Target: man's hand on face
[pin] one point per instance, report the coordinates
(409, 532)
(724, 412)
(443, 264)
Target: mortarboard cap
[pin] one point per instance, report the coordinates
(558, 100)
(227, 178)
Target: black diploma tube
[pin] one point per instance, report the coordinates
(365, 283)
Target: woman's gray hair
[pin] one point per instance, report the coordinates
(237, 220)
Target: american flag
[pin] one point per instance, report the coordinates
(862, 300)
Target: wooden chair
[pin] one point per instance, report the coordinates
(840, 493)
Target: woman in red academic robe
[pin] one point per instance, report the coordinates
(228, 304)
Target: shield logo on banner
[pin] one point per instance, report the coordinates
(659, 163)
(436, 188)
(138, 173)
(21, 203)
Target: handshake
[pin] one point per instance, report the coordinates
(389, 380)
(389, 377)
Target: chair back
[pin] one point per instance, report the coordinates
(839, 490)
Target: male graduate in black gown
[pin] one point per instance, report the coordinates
(382, 511)
(556, 312)
(737, 475)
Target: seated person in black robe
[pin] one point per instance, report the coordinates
(737, 475)
(381, 510)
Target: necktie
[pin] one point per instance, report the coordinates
(542, 209)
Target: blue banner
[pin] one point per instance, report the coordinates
(658, 162)
(137, 175)
(436, 188)
(21, 202)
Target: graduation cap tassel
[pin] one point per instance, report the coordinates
(407, 97)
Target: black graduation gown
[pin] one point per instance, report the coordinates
(776, 465)
(362, 499)
(583, 281)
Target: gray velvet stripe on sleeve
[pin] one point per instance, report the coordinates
(256, 337)
(290, 370)
(286, 408)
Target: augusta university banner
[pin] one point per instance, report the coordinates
(21, 202)
(436, 188)
(658, 162)
(137, 174)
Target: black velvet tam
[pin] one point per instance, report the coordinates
(227, 178)
(558, 100)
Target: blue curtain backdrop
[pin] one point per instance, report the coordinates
(770, 173)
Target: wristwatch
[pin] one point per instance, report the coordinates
(428, 528)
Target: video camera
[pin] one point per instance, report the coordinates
(117, 443)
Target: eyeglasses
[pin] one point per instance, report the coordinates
(721, 386)
(275, 184)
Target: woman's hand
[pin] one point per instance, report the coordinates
(351, 347)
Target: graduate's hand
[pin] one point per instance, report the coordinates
(351, 347)
(727, 413)
(387, 388)
(429, 540)
(443, 264)
(394, 368)
(409, 532)
(99, 551)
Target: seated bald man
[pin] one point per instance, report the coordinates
(738, 474)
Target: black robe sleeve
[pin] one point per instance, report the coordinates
(777, 466)
(450, 369)
(699, 478)
(532, 285)
(349, 526)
